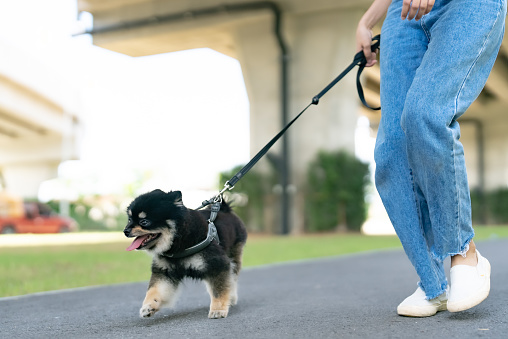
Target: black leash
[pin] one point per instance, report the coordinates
(360, 61)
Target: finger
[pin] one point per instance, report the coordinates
(406, 4)
(367, 52)
(415, 6)
(430, 4)
(369, 56)
(422, 10)
(373, 61)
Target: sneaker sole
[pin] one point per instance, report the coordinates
(473, 301)
(420, 312)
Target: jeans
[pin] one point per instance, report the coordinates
(431, 72)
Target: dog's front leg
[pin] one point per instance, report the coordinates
(219, 288)
(161, 291)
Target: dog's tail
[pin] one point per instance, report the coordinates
(225, 207)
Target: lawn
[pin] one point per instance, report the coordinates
(33, 269)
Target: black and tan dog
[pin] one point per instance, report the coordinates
(164, 227)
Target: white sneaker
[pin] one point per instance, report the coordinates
(470, 285)
(416, 305)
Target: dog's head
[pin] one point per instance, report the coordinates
(153, 218)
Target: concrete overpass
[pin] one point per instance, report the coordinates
(289, 50)
(38, 125)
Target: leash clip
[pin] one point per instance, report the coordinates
(227, 187)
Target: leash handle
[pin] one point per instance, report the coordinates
(359, 60)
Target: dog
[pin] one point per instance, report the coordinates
(164, 227)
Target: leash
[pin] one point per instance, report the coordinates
(360, 61)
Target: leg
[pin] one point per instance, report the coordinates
(404, 44)
(454, 70)
(236, 259)
(219, 288)
(460, 55)
(161, 291)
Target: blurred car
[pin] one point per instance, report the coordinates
(34, 217)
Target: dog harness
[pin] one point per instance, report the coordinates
(211, 236)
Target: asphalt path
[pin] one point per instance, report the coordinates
(351, 296)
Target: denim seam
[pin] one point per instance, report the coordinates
(420, 223)
(424, 28)
(419, 212)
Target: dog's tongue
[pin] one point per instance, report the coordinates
(137, 242)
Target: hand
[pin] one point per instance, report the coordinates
(415, 9)
(364, 42)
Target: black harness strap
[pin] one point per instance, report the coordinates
(211, 236)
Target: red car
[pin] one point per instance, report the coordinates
(37, 218)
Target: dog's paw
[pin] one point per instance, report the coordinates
(217, 314)
(147, 311)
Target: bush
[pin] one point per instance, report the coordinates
(95, 214)
(248, 197)
(497, 202)
(336, 193)
(496, 210)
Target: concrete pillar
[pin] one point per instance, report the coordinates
(321, 45)
(259, 56)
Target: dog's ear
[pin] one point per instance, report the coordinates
(176, 196)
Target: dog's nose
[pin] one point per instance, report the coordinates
(127, 232)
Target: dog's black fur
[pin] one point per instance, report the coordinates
(163, 226)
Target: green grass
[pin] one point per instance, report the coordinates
(35, 269)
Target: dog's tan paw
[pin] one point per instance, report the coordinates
(147, 311)
(217, 314)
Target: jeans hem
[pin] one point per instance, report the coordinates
(463, 250)
(436, 294)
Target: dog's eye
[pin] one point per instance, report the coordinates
(144, 222)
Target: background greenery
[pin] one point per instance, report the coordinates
(95, 213)
(495, 208)
(33, 269)
(337, 182)
(248, 196)
(334, 194)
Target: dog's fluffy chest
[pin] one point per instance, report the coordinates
(189, 266)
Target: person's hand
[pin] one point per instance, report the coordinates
(364, 42)
(415, 9)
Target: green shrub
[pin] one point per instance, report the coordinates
(92, 214)
(336, 194)
(248, 196)
(496, 206)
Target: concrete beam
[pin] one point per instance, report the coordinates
(137, 8)
(146, 27)
(27, 109)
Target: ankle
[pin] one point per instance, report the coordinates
(470, 259)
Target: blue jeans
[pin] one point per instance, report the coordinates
(431, 72)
